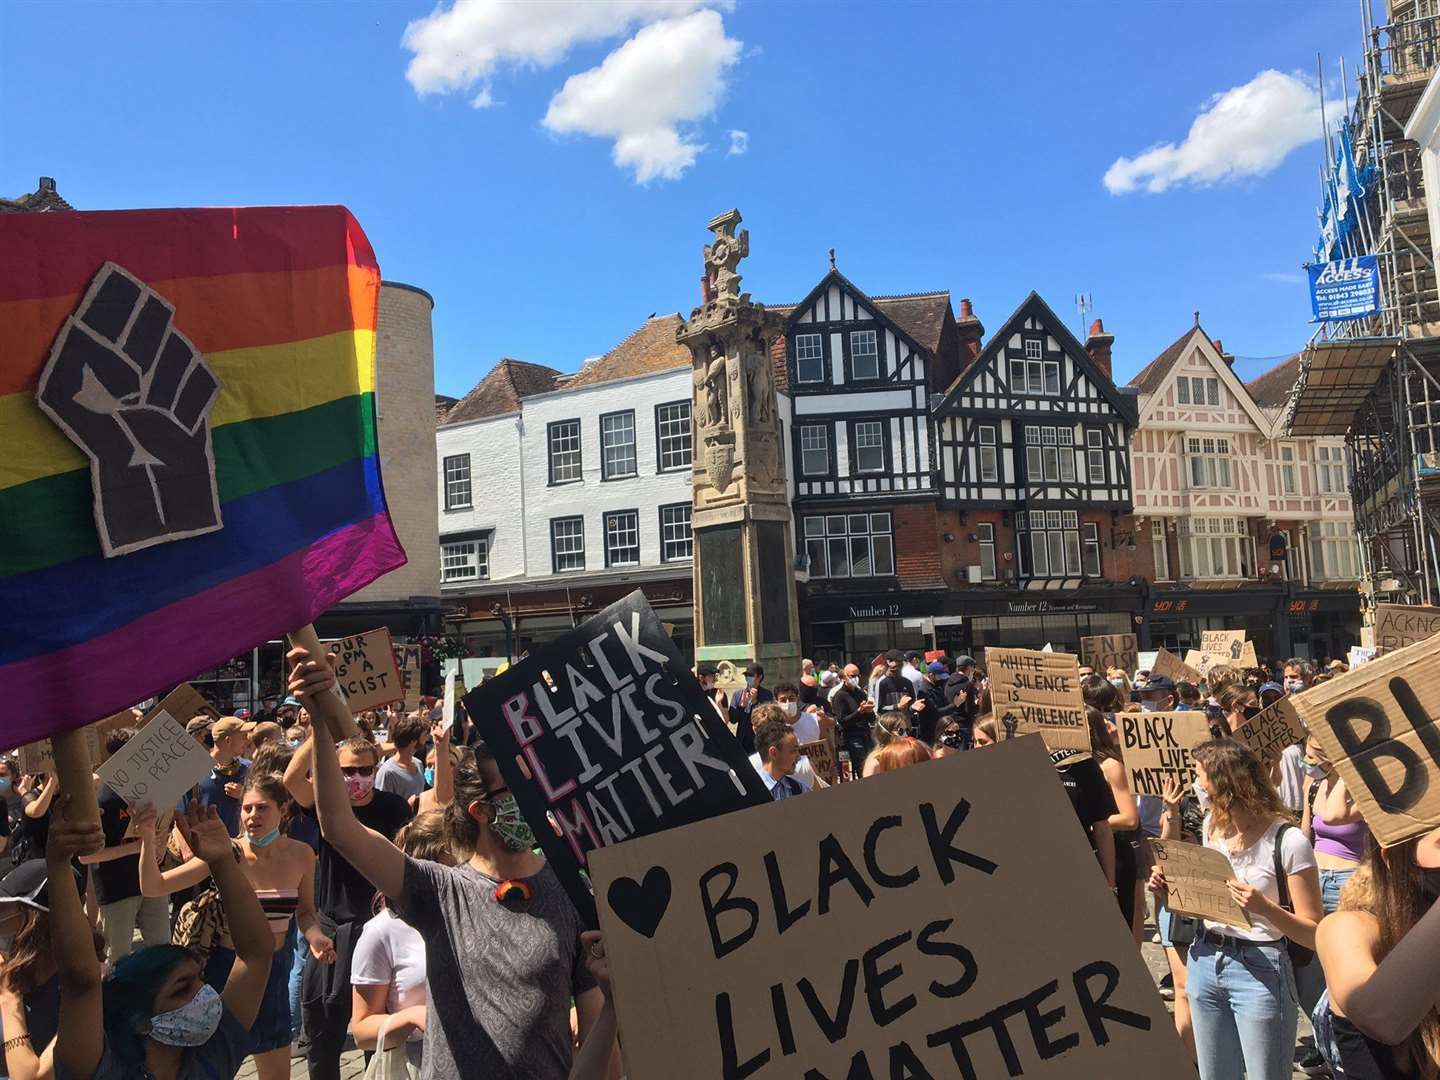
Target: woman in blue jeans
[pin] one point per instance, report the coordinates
(1239, 980)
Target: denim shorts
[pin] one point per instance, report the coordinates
(271, 1029)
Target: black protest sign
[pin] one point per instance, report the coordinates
(1156, 747)
(1105, 651)
(604, 735)
(1377, 724)
(870, 930)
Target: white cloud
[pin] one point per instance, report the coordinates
(1246, 131)
(670, 73)
(482, 100)
(464, 44)
(739, 143)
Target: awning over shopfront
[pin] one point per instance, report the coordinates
(1335, 379)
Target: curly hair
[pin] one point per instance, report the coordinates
(1238, 783)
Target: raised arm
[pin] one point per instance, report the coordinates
(444, 767)
(376, 858)
(1339, 808)
(249, 930)
(154, 881)
(297, 774)
(80, 1038)
(39, 806)
(1388, 1000)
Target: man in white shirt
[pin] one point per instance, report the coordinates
(801, 771)
(803, 722)
(777, 752)
(914, 671)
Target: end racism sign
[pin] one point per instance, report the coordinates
(1378, 725)
(1038, 692)
(604, 735)
(874, 930)
(1105, 651)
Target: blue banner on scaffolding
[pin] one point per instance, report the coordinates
(1345, 288)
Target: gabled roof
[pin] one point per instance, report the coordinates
(918, 316)
(1272, 389)
(443, 404)
(1152, 377)
(499, 393)
(1034, 306)
(649, 349)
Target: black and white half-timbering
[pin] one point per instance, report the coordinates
(1036, 425)
(604, 735)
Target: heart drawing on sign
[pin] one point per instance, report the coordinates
(641, 904)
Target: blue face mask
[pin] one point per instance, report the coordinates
(5, 786)
(429, 776)
(267, 839)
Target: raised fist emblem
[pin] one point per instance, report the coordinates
(135, 395)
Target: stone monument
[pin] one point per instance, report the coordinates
(743, 551)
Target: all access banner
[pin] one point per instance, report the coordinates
(1345, 288)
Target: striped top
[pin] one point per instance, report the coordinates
(279, 906)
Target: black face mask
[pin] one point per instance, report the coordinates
(1429, 886)
(1250, 712)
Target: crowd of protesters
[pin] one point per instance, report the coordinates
(385, 893)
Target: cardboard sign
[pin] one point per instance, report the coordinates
(158, 765)
(1378, 725)
(1038, 692)
(1104, 651)
(447, 710)
(1399, 625)
(366, 671)
(184, 703)
(1156, 747)
(870, 930)
(38, 757)
(407, 663)
(1169, 665)
(1360, 655)
(1273, 729)
(1195, 880)
(821, 753)
(604, 735)
(1229, 645)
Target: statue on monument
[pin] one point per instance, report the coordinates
(722, 258)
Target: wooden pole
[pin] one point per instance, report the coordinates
(329, 709)
(76, 775)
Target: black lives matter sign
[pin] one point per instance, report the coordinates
(604, 735)
(946, 920)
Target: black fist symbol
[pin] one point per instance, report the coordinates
(135, 395)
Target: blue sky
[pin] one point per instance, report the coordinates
(958, 146)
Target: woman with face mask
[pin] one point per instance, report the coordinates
(505, 1007)
(282, 873)
(1378, 1019)
(155, 1016)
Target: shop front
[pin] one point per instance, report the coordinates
(856, 628)
(1323, 623)
(1176, 618)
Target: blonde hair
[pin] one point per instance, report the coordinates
(1221, 676)
(890, 726)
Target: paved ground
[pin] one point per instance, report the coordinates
(353, 1064)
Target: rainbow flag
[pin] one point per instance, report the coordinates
(188, 460)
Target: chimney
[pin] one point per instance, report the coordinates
(971, 331)
(47, 183)
(1229, 358)
(1098, 345)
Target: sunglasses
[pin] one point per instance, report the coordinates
(358, 770)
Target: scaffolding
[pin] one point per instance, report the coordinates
(1392, 424)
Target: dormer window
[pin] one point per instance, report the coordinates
(1034, 350)
(864, 355)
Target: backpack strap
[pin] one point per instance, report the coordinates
(1282, 882)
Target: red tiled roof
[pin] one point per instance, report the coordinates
(1272, 389)
(649, 349)
(443, 404)
(1149, 378)
(920, 315)
(42, 200)
(499, 393)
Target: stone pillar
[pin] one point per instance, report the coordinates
(745, 605)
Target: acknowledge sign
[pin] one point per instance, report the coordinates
(870, 931)
(1195, 880)
(1156, 747)
(1038, 692)
(1399, 625)
(1378, 726)
(605, 735)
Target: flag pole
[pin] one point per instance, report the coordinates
(327, 709)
